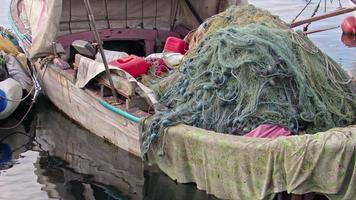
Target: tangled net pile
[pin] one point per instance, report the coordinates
(239, 77)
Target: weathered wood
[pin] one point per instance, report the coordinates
(83, 107)
(137, 102)
(324, 16)
(122, 86)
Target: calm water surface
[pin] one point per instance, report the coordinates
(64, 161)
(51, 158)
(328, 41)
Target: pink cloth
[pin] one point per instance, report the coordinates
(269, 131)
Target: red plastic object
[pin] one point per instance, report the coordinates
(348, 26)
(161, 68)
(175, 45)
(132, 64)
(269, 131)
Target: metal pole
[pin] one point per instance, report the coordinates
(100, 45)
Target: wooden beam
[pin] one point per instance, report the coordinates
(324, 16)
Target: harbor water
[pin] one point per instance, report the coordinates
(50, 157)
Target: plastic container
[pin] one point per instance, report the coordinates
(175, 45)
(132, 64)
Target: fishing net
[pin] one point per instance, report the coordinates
(239, 77)
(234, 16)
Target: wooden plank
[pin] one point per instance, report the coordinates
(122, 86)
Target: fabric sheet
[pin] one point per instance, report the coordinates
(45, 20)
(88, 69)
(17, 72)
(243, 168)
(269, 131)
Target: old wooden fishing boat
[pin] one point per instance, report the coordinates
(218, 163)
(59, 85)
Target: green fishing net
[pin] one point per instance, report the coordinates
(239, 77)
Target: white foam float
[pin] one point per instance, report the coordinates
(10, 94)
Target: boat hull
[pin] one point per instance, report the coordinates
(83, 107)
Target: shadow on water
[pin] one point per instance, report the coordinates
(72, 163)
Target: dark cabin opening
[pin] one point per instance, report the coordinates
(135, 47)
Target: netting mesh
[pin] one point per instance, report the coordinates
(238, 77)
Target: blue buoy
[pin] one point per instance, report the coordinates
(3, 100)
(5, 153)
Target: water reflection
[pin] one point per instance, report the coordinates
(327, 41)
(349, 40)
(75, 164)
(13, 142)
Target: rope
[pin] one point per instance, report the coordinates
(19, 100)
(142, 14)
(22, 119)
(313, 14)
(306, 5)
(126, 17)
(156, 15)
(70, 17)
(14, 133)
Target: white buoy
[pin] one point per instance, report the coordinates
(10, 94)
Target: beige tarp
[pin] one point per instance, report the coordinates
(43, 18)
(47, 19)
(88, 69)
(234, 167)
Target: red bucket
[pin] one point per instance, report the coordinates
(175, 45)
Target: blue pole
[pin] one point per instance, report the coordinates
(120, 112)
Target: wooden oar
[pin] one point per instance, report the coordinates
(324, 16)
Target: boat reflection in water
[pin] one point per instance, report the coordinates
(13, 142)
(75, 164)
(350, 41)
